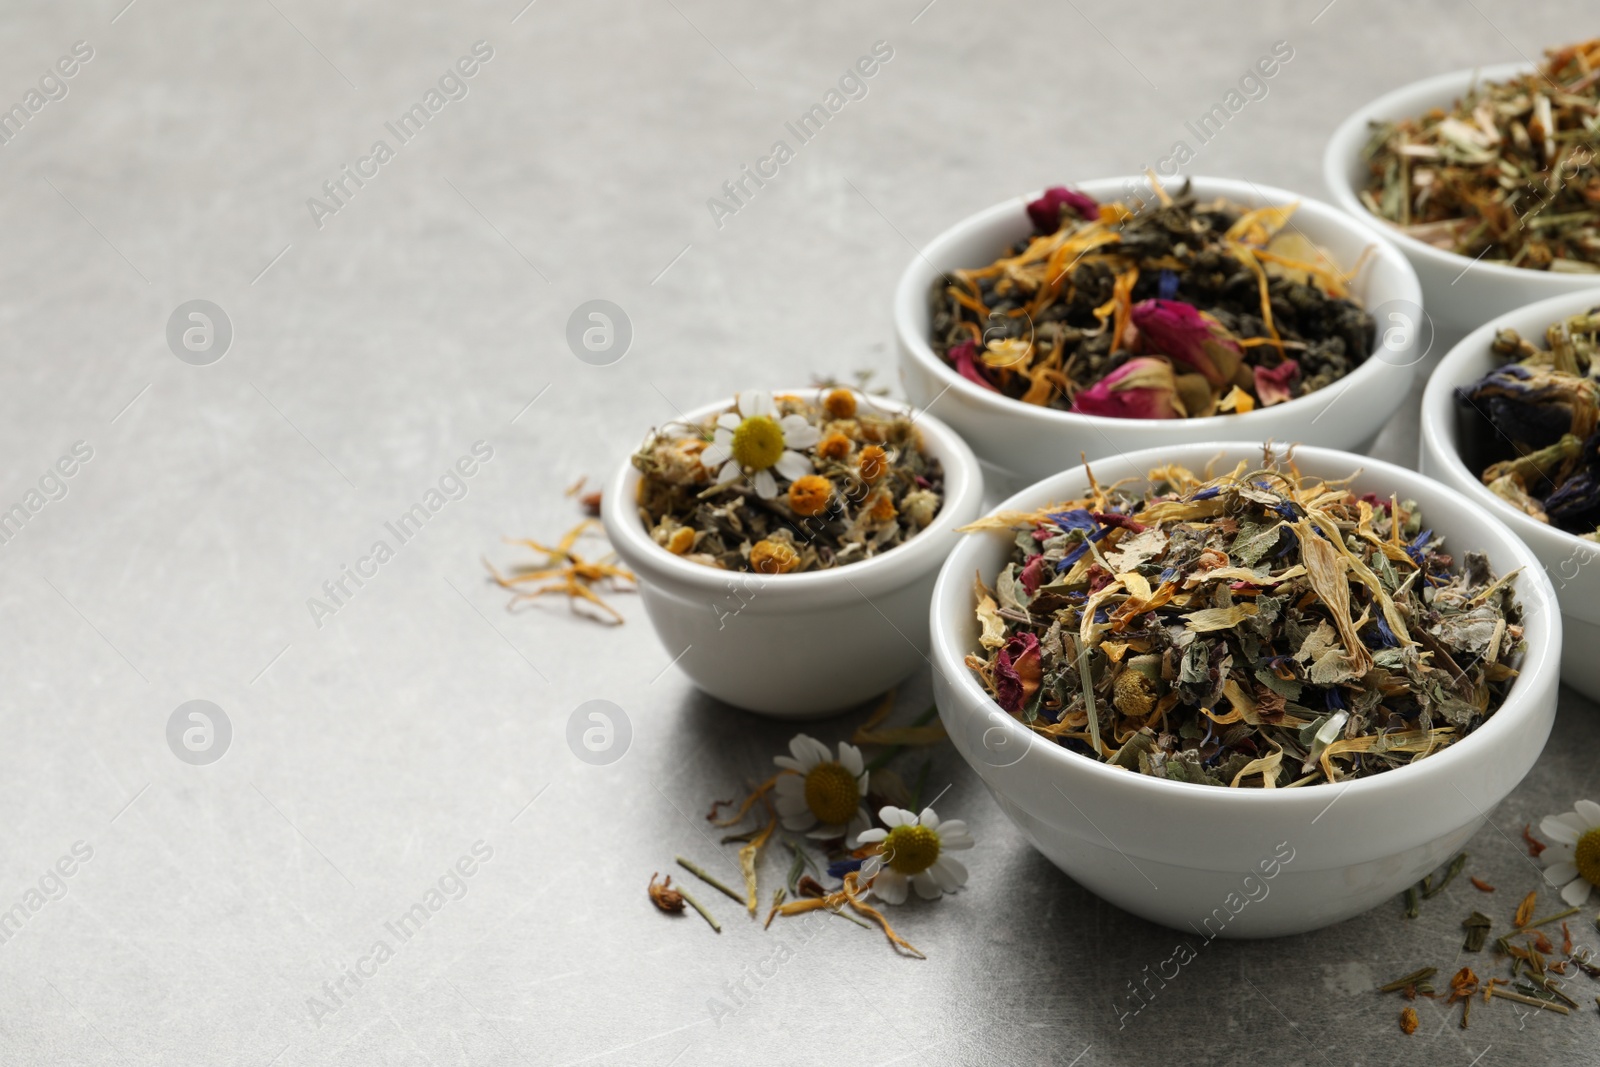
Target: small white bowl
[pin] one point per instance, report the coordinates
(1565, 557)
(1020, 443)
(1190, 856)
(1458, 293)
(799, 646)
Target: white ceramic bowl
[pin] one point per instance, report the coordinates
(1020, 443)
(1182, 854)
(1565, 557)
(1456, 297)
(798, 646)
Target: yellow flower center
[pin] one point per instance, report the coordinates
(1586, 857)
(831, 794)
(911, 849)
(757, 443)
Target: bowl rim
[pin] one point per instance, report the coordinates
(1063, 765)
(1438, 408)
(912, 288)
(963, 492)
(1408, 101)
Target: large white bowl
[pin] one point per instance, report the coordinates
(1565, 557)
(798, 646)
(1458, 293)
(1020, 443)
(1190, 856)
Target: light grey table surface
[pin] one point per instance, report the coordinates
(420, 721)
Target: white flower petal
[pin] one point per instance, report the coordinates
(875, 834)
(754, 402)
(792, 465)
(798, 433)
(799, 821)
(857, 827)
(862, 781)
(944, 876)
(1589, 812)
(766, 485)
(952, 826)
(715, 455)
(792, 807)
(826, 832)
(870, 866)
(1555, 827)
(1559, 874)
(1577, 892)
(952, 869)
(801, 748)
(929, 819)
(892, 816)
(1557, 853)
(788, 763)
(728, 421)
(730, 471)
(890, 886)
(819, 751)
(954, 842)
(925, 885)
(850, 756)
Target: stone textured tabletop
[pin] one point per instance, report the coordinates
(387, 318)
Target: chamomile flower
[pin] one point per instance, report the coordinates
(1572, 861)
(913, 851)
(822, 790)
(755, 441)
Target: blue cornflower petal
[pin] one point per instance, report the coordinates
(1207, 493)
(840, 868)
(1168, 286)
(1076, 519)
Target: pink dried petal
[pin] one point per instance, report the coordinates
(1274, 386)
(1046, 211)
(1179, 332)
(965, 357)
(1142, 388)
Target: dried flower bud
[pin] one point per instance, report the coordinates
(841, 404)
(1179, 332)
(1046, 211)
(1142, 388)
(773, 557)
(834, 446)
(664, 896)
(809, 495)
(873, 464)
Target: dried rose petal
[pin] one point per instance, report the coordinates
(1273, 386)
(1046, 211)
(1142, 388)
(1018, 672)
(965, 357)
(1181, 333)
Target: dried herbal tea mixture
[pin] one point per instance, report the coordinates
(1529, 426)
(1508, 174)
(788, 483)
(1260, 628)
(1166, 310)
